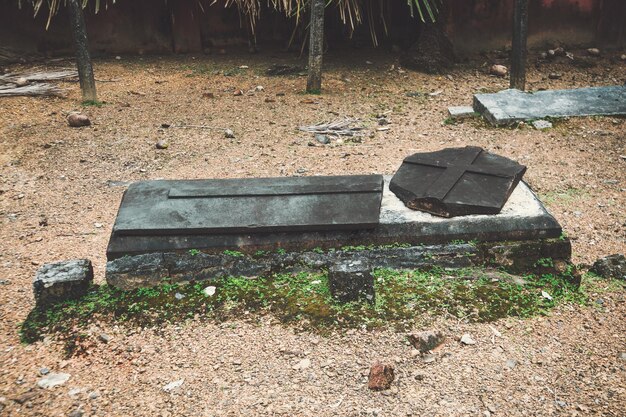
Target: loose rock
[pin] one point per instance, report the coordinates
(52, 380)
(380, 377)
(499, 70)
(173, 385)
(612, 266)
(76, 413)
(542, 124)
(303, 364)
(229, 134)
(466, 339)
(593, 51)
(428, 340)
(323, 139)
(555, 75)
(104, 337)
(162, 144)
(21, 82)
(78, 120)
(62, 280)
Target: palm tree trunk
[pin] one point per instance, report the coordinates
(518, 52)
(316, 47)
(83, 60)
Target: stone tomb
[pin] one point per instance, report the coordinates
(162, 234)
(510, 106)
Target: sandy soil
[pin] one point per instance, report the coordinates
(59, 194)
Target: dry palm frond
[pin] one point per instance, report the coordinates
(338, 127)
(41, 75)
(351, 12)
(37, 89)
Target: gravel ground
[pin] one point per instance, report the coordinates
(60, 189)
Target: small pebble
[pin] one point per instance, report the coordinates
(229, 134)
(162, 144)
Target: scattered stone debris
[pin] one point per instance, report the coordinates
(44, 371)
(229, 134)
(499, 70)
(612, 266)
(511, 363)
(104, 337)
(63, 280)
(173, 385)
(426, 340)
(76, 413)
(466, 339)
(78, 120)
(380, 377)
(162, 144)
(555, 75)
(52, 380)
(593, 51)
(542, 124)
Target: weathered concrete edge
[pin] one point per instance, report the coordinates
(147, 270)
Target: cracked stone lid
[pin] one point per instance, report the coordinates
(456, 181)
(254, 205)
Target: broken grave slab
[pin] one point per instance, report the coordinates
(510, 106)
(523, 217)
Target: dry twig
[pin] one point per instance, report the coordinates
(337, 127)
(40, 76)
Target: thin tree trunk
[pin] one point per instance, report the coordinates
(83, 60)
(316, 47)
(518, 53)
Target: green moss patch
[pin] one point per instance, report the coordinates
(402, 298)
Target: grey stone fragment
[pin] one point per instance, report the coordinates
(542, 124)
(510, 106)
(612, 266)
(52, 380)
(351, 281)
(461, 112)
(426, 340)
(61, 281)
(130, 272)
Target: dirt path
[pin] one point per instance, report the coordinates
(60, 190)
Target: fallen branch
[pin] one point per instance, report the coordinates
(197, 127)
(337, 127)
(37, 89)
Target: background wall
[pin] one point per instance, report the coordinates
(148, 26)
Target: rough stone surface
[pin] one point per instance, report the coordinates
(351, 280)
(148, 270)
(461, 112)
(499, 70)
(612, 266)
(61, 281)
(523, 217)
(380, 377)
(78, 120)
(427, 340)
(129, 272)
(456, 181)
(511, 106)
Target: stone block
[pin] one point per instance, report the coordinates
(461, 112)
(60, 281)
(351, 280)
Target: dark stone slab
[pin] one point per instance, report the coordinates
(456, 181)
(523, 217)
(257, 205)
(511, 106)
(351, 280)
(60, 281)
